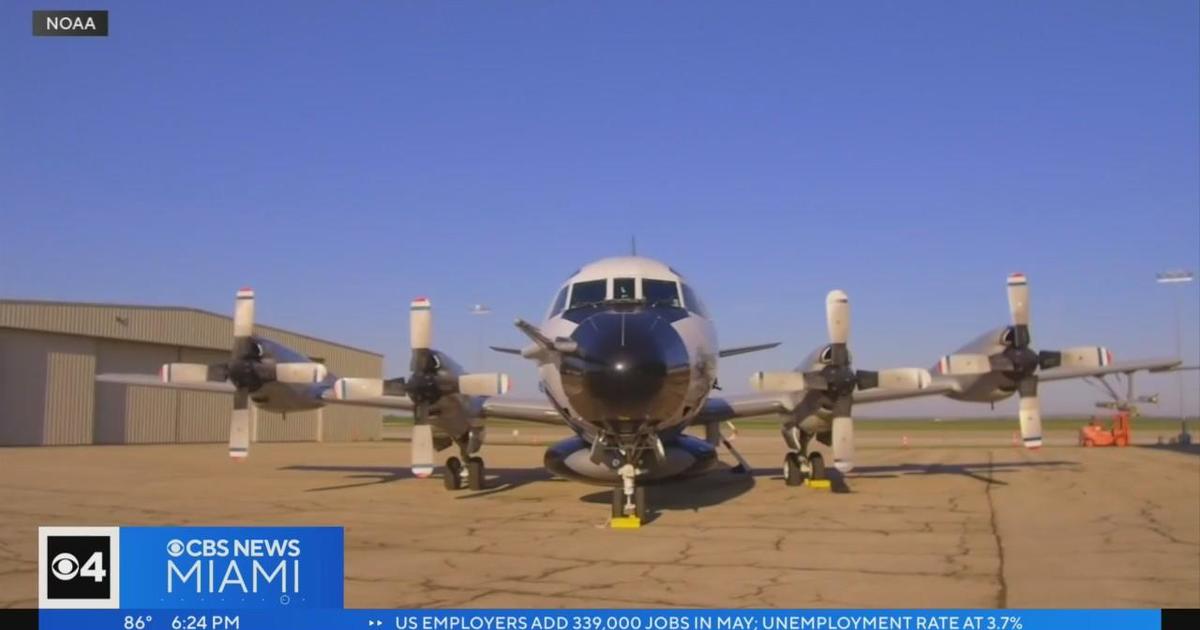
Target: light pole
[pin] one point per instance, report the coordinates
(1177, 276)
(480, 311)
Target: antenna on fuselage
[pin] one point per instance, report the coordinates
(633, 245)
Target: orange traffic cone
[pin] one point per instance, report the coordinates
(904, 441)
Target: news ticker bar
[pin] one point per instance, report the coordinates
(515, 619)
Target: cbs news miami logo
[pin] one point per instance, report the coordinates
(188, 567)
(78, 567)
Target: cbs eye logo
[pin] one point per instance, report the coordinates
(65, 567)
(77, 567)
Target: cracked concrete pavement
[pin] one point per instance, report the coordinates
(919, 527)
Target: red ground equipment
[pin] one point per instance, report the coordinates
(1094, 434)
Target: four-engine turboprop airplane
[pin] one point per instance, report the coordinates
(627, 358)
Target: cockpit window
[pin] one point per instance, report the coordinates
(624, 289)
(590, 292)
(693, 303)
(559, 302)
(660, 292)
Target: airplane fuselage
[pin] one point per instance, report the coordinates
(644, 363)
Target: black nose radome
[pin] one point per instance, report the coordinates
(630, 365)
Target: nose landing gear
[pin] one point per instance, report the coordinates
(626, 454)
(628, 499)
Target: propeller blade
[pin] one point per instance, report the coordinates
(904, 378)
(243, 322)
(1001, 363)
(843, 443)
(1048, 359)
(866, 379)
(1018, 299)
(420, 324)
(300, 373)
(1086, 356)
(422, 450)
(1030, 413)
(356, 388)
(837, 316)
(778, 381)
(487, 384)
(964, 364)
(184, 373)
(239, 426)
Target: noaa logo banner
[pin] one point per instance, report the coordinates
(190, 567)
(70, 23)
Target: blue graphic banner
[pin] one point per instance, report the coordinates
(224, 568)
(327, 619)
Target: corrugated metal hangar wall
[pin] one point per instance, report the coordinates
(50, 353)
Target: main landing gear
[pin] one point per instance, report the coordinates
(473, 474)
(797, 468)
(801, 465)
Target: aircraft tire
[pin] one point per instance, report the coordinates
(453, 475)
(639, 503)
(817, 466)
(475, 473)
(793, 475)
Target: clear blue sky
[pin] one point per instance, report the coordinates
(344, 157)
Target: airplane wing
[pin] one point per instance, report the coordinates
(942, 384)
(937, 385)
(383, 401)
(782, 402)
(151, 380)
(1151, 365)
(525, 409)
(744, 406)
(537, 410)
(736, 350)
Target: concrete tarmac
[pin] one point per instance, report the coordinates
(921, 526)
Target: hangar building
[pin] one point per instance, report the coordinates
(50, 353)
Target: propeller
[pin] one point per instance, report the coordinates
(248, 370)
(432, 376)
(837, 381)
(835, 378)
(1019, 362)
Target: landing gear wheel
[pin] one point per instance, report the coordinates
(475, 472)
(639, 503)
(816, 464)
(453, 476)
(618, 502)
(793, 470)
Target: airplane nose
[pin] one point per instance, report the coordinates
(631, 366)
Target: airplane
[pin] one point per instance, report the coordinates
(627, 358)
